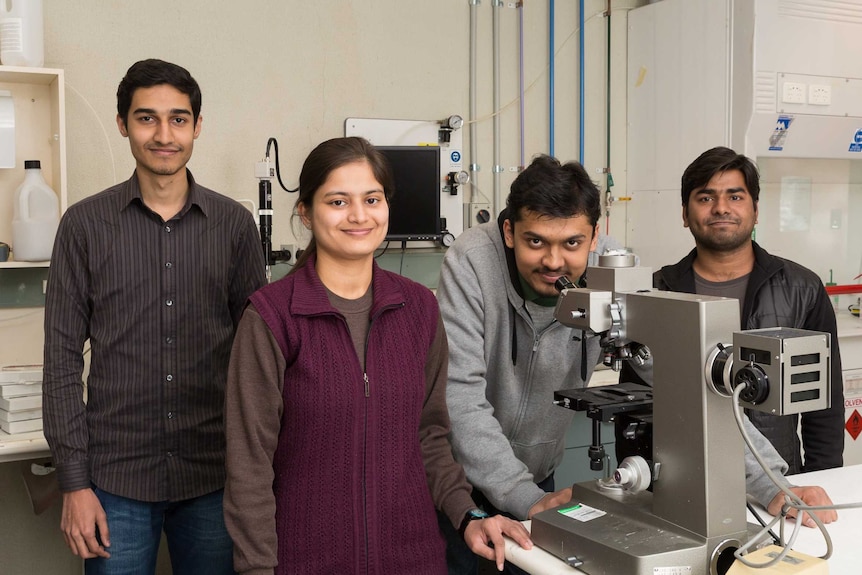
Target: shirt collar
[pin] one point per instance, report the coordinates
(132, 193)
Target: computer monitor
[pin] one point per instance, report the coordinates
(414, 213)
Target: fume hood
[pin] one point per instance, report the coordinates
(777, 80)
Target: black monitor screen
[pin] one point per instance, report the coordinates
(415, 210)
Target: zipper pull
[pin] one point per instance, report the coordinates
(365, 377)
(535, 345)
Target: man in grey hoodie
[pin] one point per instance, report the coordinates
(508, 354)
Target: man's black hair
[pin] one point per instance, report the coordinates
(548, 188)
(152, 72)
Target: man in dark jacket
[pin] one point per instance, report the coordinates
(720, 191)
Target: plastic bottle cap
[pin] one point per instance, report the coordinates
(32, 165)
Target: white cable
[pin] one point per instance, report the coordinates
(101, 125)
(791, 500)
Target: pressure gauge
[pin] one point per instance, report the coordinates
(455, 179)
(447, 125)
(447, 239)
(454, 122)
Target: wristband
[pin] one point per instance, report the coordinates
(472, 515)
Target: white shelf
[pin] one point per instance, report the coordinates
(24, 264)
(22, 446)
(40, 134)
(23, 75)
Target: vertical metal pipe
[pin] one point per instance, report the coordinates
(474, 160)
(581, 77)
(609, 180)
(497, 7)
(521, 78)
(551, 66)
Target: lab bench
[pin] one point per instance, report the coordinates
(841, 485)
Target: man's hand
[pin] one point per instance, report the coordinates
(82, 515)
(551, 500)
(810, 495)
(481, 532)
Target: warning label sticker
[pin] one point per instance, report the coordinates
(854, 424)
(582, 512)
(779, 134)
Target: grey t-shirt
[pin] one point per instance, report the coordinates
(734, 288)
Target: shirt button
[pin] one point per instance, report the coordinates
(169, 265)
(170, 453)
(169, 302)
(169, 377)
(168, 229)
(170, 415)
(169, 340)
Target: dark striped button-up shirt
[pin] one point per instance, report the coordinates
(159, 303)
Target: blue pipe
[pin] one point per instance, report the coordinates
(581, 83)
(551, 77)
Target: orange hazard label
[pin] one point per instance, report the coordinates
(854, 424)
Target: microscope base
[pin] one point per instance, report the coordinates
(627, 538)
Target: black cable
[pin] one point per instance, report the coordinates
(386, 247)
(772, 534)
(274, 143)
(403, 251)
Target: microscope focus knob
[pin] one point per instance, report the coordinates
(633, 474)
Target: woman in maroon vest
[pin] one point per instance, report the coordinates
(336, 420)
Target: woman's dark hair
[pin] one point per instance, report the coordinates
(152, 72)
(715, 161)
(329, 156)
(549, 188)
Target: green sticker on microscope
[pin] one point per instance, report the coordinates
(581, 512)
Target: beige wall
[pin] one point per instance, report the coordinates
(294, 71)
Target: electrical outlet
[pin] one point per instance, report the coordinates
(820, 94)
(793, 93)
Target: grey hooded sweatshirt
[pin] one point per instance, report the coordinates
(507, 356)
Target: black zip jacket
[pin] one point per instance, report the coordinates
(782, 293)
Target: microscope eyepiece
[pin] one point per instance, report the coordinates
(563, 283)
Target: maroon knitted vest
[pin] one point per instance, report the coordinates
(350, 487)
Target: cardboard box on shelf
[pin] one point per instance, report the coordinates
(12, 427)
(20, 415)
(20, 373)
(20, 389)
(13, 404)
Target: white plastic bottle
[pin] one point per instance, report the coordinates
(36, 217)
(21, 33)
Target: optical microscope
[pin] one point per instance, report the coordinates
(694, 519)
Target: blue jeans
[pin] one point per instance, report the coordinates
(198, 541)
(460, 560)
